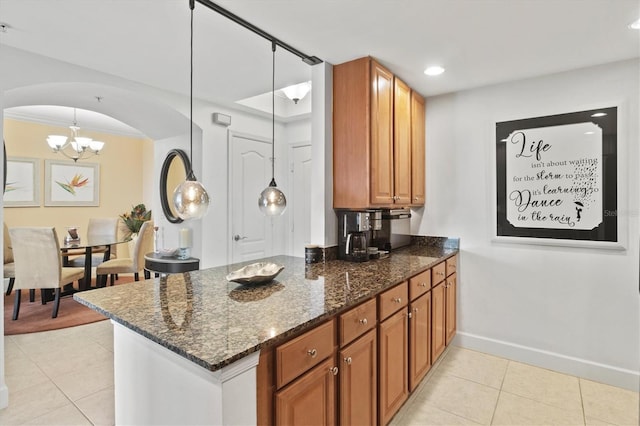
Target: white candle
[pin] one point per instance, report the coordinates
(184, 238)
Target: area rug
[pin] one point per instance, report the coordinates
(34, 316)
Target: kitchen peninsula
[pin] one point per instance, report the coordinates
(186, 346)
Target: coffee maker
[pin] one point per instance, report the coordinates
(355, 230)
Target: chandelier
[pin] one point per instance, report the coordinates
(75, 147)
(297, 91)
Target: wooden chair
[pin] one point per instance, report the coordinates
(133, 264)
(38, 264)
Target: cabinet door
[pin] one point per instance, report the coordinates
(450, 321)
(381, 135)
(402, 142)
(358, 382)
(419, 340)
(393, 369)
(438, 332)
(418, 142)
(310, 399)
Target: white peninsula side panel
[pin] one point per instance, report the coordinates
(154, 385)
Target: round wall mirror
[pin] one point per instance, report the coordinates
(173, 173)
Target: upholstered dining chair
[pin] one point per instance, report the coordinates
(9, 266)
(133, 264)
(38, 264)
(98, 227)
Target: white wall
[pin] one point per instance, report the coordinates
(570, 309)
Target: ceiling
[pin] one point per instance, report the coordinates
(479, 42)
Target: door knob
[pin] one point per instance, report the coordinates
(238, 238)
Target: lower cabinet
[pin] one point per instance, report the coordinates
(438, 320)
(310, 399)
(359, 367)
(450, 296)
(419, 339)
(393, 350)
(358, 381)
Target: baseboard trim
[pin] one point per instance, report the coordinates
(4, 397)
(586, 369)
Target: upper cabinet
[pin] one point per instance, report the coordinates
(375, 138)
(417, 150)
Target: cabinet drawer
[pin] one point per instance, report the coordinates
(452, 264)
(300, 354)
(392, 300)
(419, 284)
(357, 321)
(438, 273)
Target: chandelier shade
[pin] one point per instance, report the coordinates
(75, 147)
(297, 92)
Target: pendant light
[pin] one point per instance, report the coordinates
(190, 198)
(272, 201)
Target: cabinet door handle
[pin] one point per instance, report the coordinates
(416, 198)
(334, 371)
(415, 309)
(423, 284)
(363, 321)
(409, 315)
(397, 300)
(312, 353)
(348, 360)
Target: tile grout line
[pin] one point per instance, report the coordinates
(495, 408)
(584, 415)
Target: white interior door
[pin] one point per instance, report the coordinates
(300, 204)
(250, 172)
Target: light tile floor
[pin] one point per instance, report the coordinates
(65, 377)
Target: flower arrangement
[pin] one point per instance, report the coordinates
(136, 218)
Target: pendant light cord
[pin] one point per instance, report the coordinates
(273, 115)
(190, 175)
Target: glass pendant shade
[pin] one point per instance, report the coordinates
(190, 200)
(272, 201)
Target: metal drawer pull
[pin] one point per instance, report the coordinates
(348, 360)
(423, 284)
(363, 321)
(334, 371)
(440, 273)
(397, 300)
(312, 353)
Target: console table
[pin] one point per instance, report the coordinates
(155, 262)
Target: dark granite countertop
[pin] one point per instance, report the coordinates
(213, 322)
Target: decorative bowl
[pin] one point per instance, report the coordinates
(256, 273)
(168, 252)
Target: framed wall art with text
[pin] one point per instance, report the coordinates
(557, 177)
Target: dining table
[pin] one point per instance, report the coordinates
(88, 244)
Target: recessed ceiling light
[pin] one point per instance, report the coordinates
(599, 114)
(635, 25)
(434, 70)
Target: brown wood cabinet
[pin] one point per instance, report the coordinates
(393, 351)
(401, 143)
(358, 381)
(360, 366)
(438, 319)
(451, 309)
(418, 138)
(311, 399)
(373, 139)
(419, 339)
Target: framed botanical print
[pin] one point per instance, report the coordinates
(22, 185)
(71, 184)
